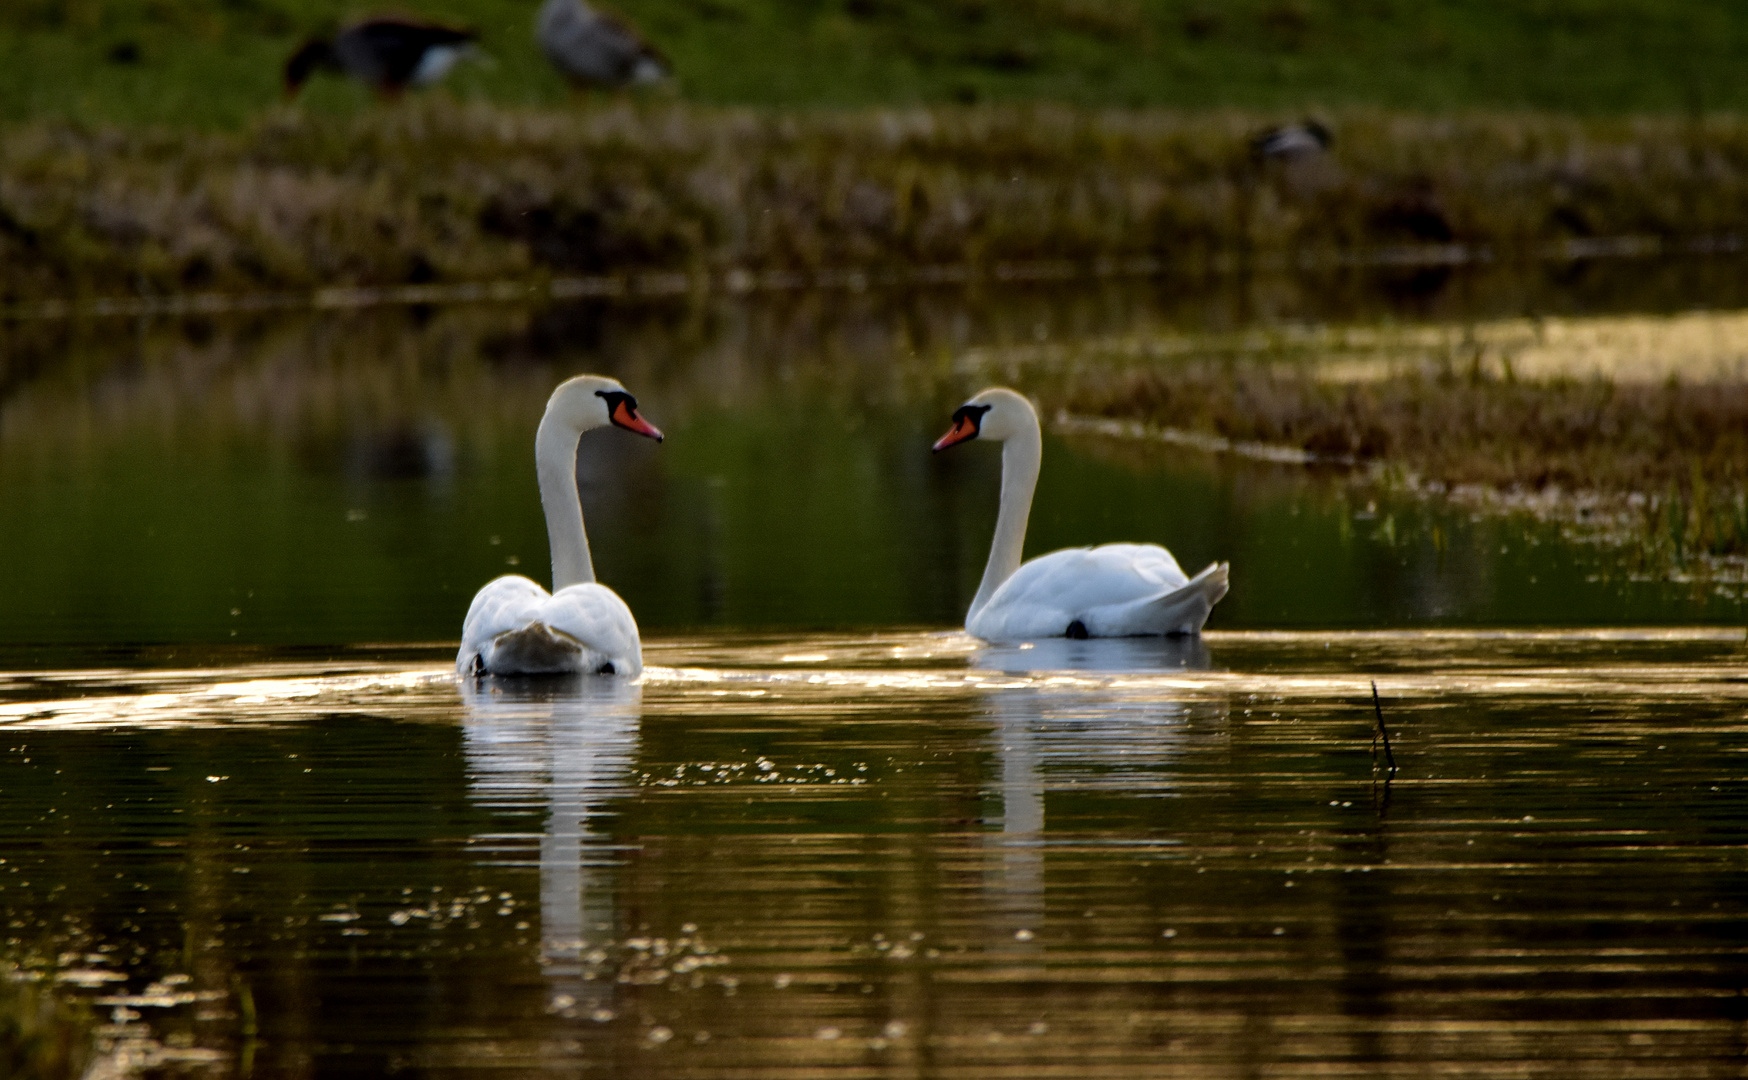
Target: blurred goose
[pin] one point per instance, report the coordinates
(388, 54)
(1303, 139)
(1113, 590)
(591, 47)
(515, 627)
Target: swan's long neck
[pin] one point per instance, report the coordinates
(555, 459)
(1020, 456)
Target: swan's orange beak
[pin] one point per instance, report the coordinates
(961, 430)
(625, 416)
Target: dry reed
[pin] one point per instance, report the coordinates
(1669, 458)
(432, 191)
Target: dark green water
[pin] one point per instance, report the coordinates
(327, 480)
(249, 819)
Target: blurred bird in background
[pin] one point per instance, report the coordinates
(592, 48)
(387, 54)
(1305, 139)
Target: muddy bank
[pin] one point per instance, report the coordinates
(431, 193)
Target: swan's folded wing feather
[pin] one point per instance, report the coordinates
(504, 604)
(1114, 590)
(1076, 579)
(597, 617)
(591, 616)
(1183, 610)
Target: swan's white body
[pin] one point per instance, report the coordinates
(515, 627)
(1113, 590)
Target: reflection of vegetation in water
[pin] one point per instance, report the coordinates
(346, 478)
(323, 480)
(435, 192)
(40, 1037)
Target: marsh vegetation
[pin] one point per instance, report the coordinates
(1637, 427)
(433, 192)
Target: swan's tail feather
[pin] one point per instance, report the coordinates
(534, 649)
(1185, 609)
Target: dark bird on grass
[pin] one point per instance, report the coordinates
(388, 54)
(592, 48)
(1305, 139)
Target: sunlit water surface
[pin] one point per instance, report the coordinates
(902, 854)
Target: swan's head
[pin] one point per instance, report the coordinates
(592, 401)
(997, 413)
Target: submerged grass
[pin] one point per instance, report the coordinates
(432, 191)
(40, 1038)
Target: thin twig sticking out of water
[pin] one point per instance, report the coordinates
(1381, 732)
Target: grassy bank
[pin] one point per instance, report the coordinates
(1660, 465)
(435, 192)
(215, 63)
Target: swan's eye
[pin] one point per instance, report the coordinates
(620, 405)
(968, 420)
(622, 412)
(971, 415)
(967, 423)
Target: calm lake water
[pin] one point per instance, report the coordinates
(326, 479)
(248, 816)
(906, 855)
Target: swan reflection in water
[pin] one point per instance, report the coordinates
(1093, 734)
(1109, 656)
(566, 745)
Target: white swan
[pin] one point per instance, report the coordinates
(513, 626)
(1113, 590)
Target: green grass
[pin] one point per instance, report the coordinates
(215, 63)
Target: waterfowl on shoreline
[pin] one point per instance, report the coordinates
(1113, 590)
(515, 627)
(593, 48)
(387, 54)
(1303, 139)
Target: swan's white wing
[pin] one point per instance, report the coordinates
(514, 627)
(596, 616)
(1112, 590)
(1183, 610)
(504, 604)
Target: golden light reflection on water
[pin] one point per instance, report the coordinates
(1404, 664)
(911, 855)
